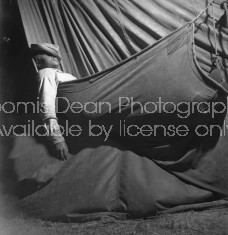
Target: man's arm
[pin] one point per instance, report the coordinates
(47, 94)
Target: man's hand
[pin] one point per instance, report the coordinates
(62, 150)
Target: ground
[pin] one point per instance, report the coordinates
(209, 222)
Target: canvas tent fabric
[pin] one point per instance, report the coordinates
(132, 176)
(131, 99)
(96, 34)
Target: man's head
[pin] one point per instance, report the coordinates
(45, 55)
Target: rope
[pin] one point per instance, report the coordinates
(202, 12)
(215, 35)
(215, 59)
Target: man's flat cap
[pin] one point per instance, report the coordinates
(46, 48)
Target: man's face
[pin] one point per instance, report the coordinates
(46, 61)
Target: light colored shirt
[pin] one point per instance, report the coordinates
(48, 81)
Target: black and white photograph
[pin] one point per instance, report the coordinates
(113, 117)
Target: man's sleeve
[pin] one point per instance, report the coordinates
(47, 92)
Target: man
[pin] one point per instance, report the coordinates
(47, 59)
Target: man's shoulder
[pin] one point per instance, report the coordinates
(47, 72)
(64, 77)
(55, 74)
